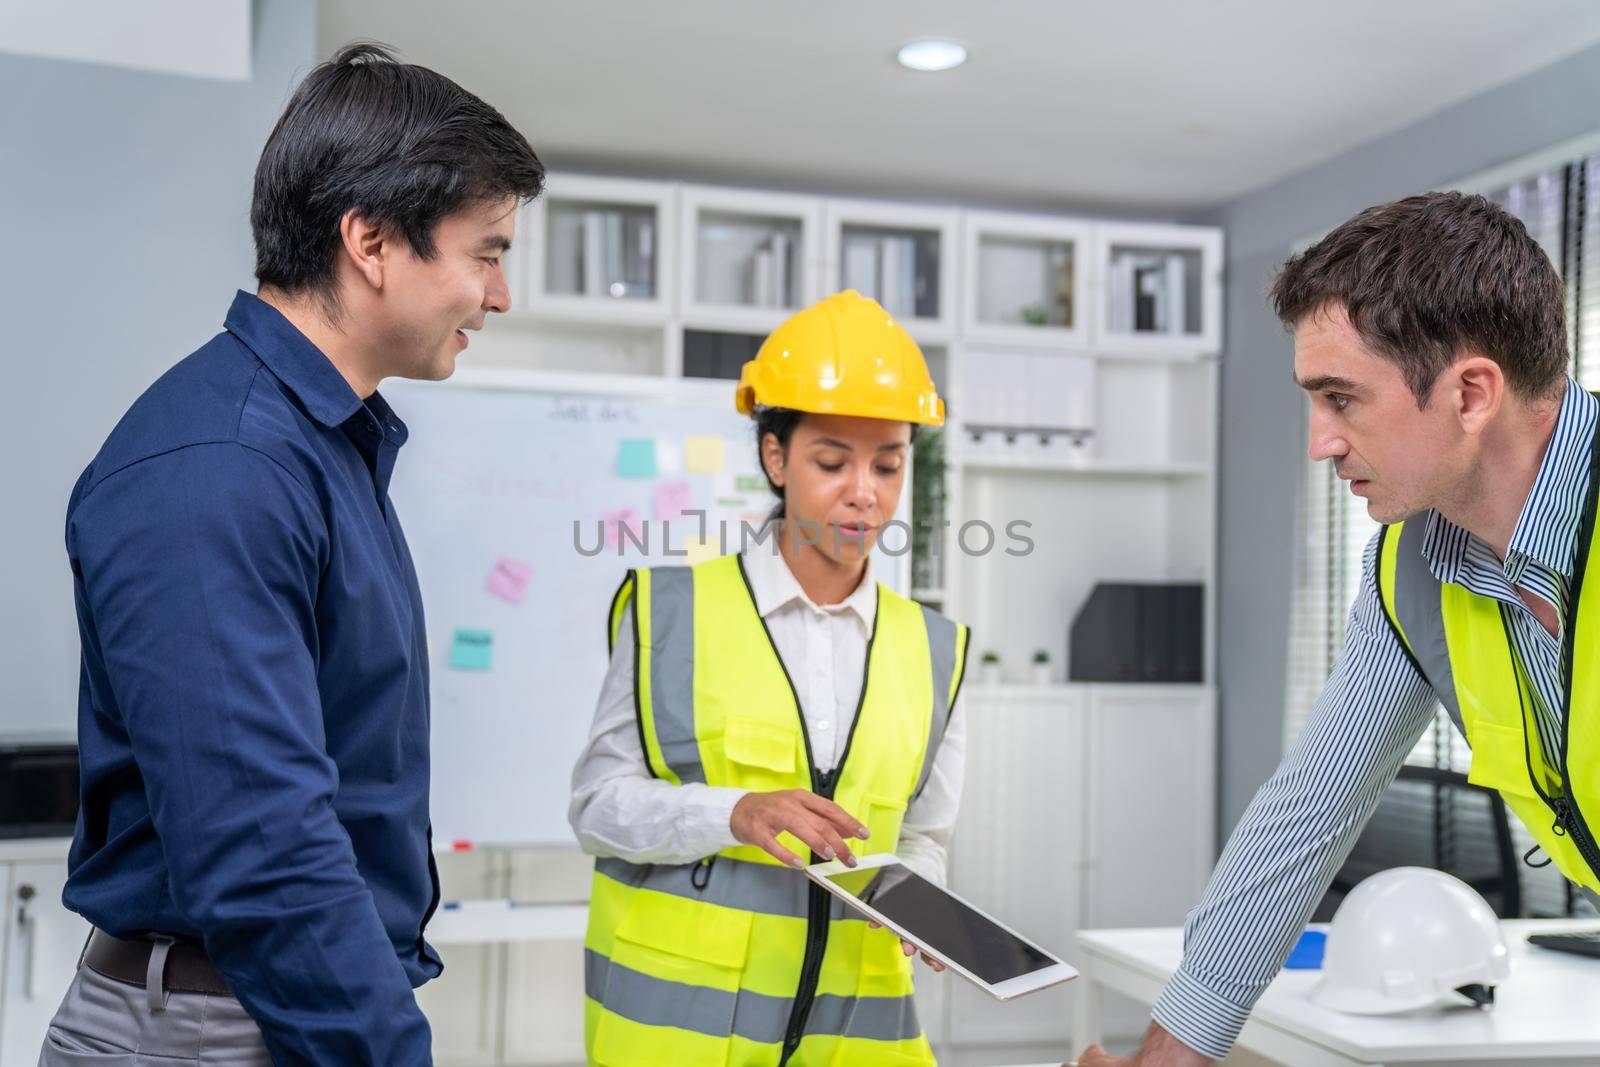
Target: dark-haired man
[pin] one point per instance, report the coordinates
(253, 846)
(1429, 334)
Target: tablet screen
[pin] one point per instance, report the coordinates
(938, 920)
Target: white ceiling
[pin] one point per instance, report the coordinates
(1164, 105)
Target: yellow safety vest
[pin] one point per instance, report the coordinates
(738, 960)
(1460, 643)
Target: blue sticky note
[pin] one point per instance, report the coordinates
(636, 457)
(472, 650)
(1307, 952)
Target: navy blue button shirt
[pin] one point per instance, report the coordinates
(253, 709)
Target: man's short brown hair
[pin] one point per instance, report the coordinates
(1425, 278)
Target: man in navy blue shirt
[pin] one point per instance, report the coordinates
(253, 847)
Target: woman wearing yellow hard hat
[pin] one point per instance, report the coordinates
(768, 709)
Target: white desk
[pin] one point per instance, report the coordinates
(475, 922)
(1547, 1012)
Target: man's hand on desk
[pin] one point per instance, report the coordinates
(1160, 1049)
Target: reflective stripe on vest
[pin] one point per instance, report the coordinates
(1460, 644)
(702, 964)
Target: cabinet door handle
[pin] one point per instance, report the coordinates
(26, 925)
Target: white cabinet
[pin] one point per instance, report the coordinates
(601, 249)
(544, 1003)
(464, 1005)
(544, 979)
(1084, 806)
(42, 943)
(517, 1001)
(1027, 279)
(1148, 814)
(1160, 289)
(750, 258)
(901, 255)
(1019, 848)
(1150, 794)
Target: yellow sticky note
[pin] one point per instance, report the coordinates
(698, 551)
(702, 454)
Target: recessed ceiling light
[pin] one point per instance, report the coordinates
(931, 55)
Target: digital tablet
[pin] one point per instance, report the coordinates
(958, 935)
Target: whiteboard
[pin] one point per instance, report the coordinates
(499, 467)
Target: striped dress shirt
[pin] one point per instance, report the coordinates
(1300, 826)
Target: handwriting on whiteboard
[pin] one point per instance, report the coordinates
(569, 409)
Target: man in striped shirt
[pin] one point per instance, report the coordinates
(1430, 335)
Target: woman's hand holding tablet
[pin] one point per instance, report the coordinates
(950, 930)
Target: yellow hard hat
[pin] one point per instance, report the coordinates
(843, 355)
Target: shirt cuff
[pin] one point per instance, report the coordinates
(1198, 1015)
(712, 817)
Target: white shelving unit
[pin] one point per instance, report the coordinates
(599, 250)
(901, 255)
(1160, 291)
(593, 278)
(1096, 431)
(750, 258)
(1027, 279)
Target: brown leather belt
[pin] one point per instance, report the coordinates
(187, 968)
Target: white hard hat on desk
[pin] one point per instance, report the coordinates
(1409, 938)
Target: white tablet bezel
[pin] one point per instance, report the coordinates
(1054, 974)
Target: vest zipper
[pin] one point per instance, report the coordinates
(1568, 821)
(818, 900)
(1567, 814)
(818, 905)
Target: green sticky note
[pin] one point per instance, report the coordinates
(636, 457)
(750, 483)
(472, 650)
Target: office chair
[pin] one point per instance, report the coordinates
(1435, 818)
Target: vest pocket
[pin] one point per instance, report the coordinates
(766, 747)
(884, 816)
(1498, 759)
(686, 932)
(882, 957)
(674, 964)
(854, 1053)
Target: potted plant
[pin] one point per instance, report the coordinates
(1041, 668)
(989, 668)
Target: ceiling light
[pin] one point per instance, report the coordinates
(932, 55)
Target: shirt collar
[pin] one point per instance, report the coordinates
(775, 586)
(1547, 528)
(291, 357)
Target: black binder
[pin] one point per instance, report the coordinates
(1138, 632)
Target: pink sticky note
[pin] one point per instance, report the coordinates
(673, 499)
(508, 579)
(615, 521)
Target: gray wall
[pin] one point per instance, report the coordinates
(1262, 413)
(124, 204)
